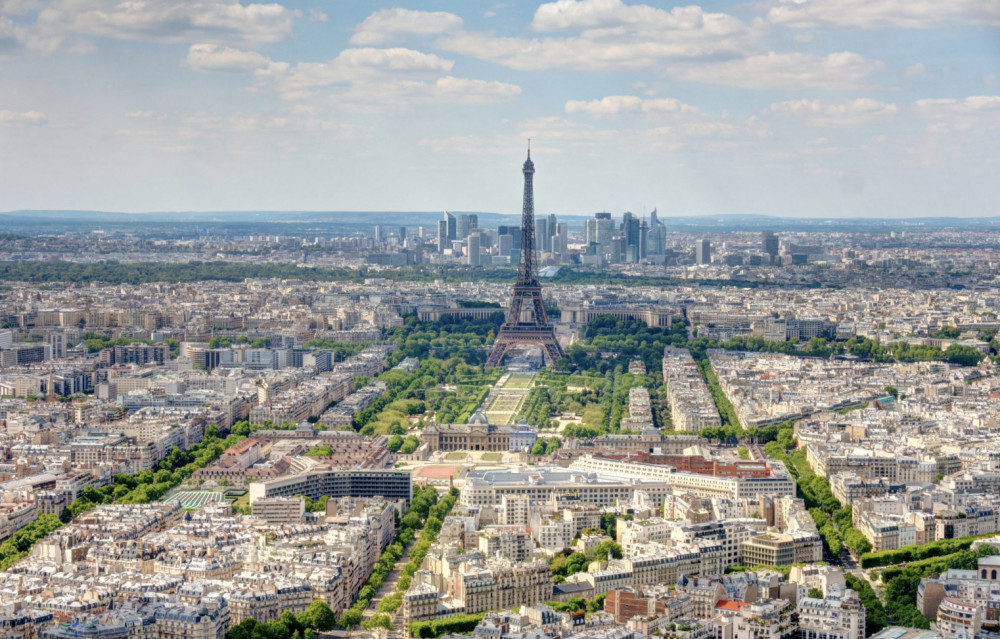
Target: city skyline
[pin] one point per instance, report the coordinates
(811, 109)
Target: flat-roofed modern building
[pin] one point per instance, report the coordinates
(538, 484)
(389, 483)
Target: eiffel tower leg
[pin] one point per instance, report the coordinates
(500, 347)
(553, 350)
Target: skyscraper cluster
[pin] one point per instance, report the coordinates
(629, 243)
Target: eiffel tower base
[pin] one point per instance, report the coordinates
(509, 337)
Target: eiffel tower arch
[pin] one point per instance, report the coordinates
(526, 323)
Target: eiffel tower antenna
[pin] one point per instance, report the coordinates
(527, 296)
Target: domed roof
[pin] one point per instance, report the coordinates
(478, 417)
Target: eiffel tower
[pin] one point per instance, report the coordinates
(526, 322)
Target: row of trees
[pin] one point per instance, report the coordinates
(901, 583)
(20, 543)
(318, 617)
(916, 552)
(427, 512)
(456, 624)
(833, 519)
(875, 617)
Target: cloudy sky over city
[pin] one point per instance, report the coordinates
(878, 108)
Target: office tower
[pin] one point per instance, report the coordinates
(630, 229)
(657, 240)
(505, 244)
(534, 330)
(643, 239)
(465, 225)
(402, 234)
(450, 219)
(553, 226)
(617, 252)
(513, 231)
(442, 235)
(561, 239)
(542, 234)
(379, 234)
(769, 243)
(703, 252)
(600, 230)
(590, 231)
(472, 250)
(420, 232)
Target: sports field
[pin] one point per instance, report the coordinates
(438, 472)
(194, 499)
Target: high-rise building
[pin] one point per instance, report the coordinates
(379, 234)
(442, 235)
(513, 231)
(465, 225)
(703, 252)
(769, 243)
(657, 238)
(450, 219)
(643, 239)
(472, 249)
(600, 230)
(402, 234)
(630, 230)
(561, 239)
(542, 234)
(505, 244)
(553, 226)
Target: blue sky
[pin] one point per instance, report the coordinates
(801, 108)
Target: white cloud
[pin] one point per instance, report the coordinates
(979, 112)
(606, 34)
(139, 114)
(213, 57)
(215, 21)
(882, 14)
(782, 71)
(395, 76)
(817, 113)
(22, 117)
(492, 11)
(18, 7)
(11, 37)
(583, 15)
(388, 24)
(915, 70)
(474, 91)
(351, 66)
(315, 15)
(617, 104)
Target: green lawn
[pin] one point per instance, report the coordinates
(506, 403)
(456, 456)
(491, 457)
(519, 381)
